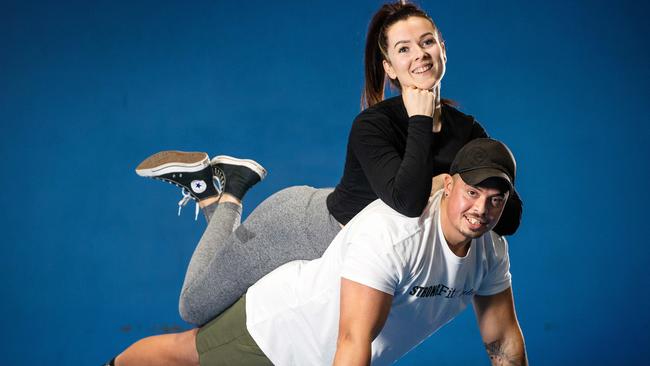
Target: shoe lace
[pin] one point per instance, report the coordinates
(187, 197)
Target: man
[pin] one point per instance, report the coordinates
(386, 283)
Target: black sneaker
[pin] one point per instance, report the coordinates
(191, 171)
(238, 175)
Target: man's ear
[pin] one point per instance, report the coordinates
(448, 184)
(389, 70)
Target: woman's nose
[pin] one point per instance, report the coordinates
(420, 53)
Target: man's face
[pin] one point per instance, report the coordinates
(471, 211)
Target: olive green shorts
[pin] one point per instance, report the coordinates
(226, 341)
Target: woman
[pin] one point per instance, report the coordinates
(395, 148)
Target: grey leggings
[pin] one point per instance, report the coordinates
(291, 224)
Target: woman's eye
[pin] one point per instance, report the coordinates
(403, 49)
(428, 42)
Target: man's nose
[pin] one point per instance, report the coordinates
(480, 206)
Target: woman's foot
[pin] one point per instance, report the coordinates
(238, 175)
(191, 171)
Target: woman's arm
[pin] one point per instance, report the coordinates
(402, 183)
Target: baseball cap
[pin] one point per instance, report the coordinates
(484, 158)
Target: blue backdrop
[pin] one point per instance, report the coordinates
(94, 256)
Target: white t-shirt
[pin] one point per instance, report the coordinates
(293, 312)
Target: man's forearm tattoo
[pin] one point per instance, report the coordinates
(498, 355)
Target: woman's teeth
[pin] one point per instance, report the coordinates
(422, 69)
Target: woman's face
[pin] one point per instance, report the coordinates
(416, 56)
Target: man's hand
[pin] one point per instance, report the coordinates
(500, 329)
(363, 313)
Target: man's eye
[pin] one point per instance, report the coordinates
(472, 193)
(403, 49)
(497, 201)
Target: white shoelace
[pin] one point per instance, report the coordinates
(187, 197)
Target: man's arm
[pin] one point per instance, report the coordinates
(362, 316)
(500, 329)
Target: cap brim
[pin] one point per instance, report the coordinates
(476, 176)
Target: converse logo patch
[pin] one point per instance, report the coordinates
(198, 186)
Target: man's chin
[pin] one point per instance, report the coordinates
(475, 233)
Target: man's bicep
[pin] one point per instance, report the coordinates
(363, 310)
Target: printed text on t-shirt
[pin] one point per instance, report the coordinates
(439, 290)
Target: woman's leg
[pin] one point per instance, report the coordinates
(227, 216)
(291, 224)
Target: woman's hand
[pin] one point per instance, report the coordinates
(418, 102)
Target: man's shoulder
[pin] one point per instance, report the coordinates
(379, 212)
(380, 221)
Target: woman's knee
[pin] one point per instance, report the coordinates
(187, 310)
(183, 309)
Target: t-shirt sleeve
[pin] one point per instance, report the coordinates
(403, 183)
(373, 262)
(498, 277)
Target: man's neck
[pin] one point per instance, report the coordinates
(461, 249)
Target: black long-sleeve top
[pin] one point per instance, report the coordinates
(393, 157)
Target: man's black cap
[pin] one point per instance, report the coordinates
(484, 158)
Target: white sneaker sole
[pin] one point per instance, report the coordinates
(172, 161)
(248, 163)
